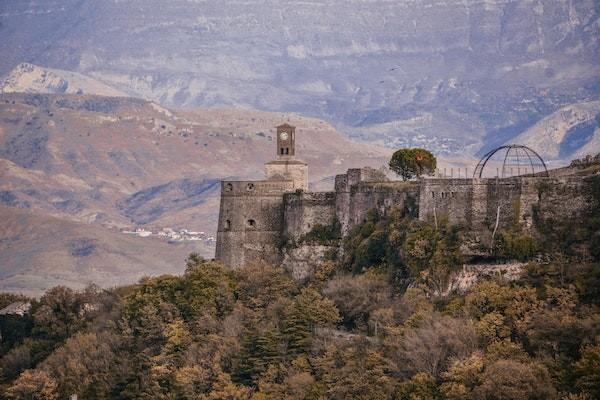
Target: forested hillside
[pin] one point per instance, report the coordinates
(371, 324)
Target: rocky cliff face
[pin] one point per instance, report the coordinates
(448, 75)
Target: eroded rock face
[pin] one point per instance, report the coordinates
(29, 78)
(448, 75)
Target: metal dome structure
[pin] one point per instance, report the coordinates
(510, 160)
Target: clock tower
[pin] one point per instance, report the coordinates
(286, 167)
(286, 141)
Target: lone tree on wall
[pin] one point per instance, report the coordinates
(408, 163)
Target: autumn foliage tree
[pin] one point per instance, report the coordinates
(375, 323)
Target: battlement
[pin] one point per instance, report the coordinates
(255, 188)
(344, 182)
(309, 198)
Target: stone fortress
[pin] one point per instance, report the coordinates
(257, 218)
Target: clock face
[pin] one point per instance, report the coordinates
(283, 135)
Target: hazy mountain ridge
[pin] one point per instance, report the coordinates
(122, 162)
(461, 74)
(571, 132)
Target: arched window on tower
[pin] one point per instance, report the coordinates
(282, 151)
(227, 225)
(287, 150)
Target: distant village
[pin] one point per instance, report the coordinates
(172, 235)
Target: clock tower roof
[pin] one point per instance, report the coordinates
(285, 125)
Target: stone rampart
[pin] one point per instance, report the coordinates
(304, 210)
(258, 217)
(250, 222)
(363, 189)
(450, 199)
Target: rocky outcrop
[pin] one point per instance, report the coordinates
(471, 274)
(301, 261)
(29, 78)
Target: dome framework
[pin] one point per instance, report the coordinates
(511, 160)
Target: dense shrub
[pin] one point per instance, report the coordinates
(325, 235)
(516, 245)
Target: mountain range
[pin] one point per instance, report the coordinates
(455, 76)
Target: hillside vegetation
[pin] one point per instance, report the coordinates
(370, 325)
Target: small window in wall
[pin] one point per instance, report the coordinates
(287, 150)
(227, 225)
(229, 187)
(251, 223)
(282, 151)
(432, 194)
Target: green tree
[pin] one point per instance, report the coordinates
(408, 163)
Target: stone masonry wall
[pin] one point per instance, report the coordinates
(256, 216)
(561, 198)
(477, 203)
(358, 191)
(250, 222)
(447, 199)
(303, 210)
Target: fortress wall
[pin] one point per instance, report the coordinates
(506, 194)
(529, 197)
(478, 206)
(381, 196)
(561, 198)
(362, 189)
(342, 201)
(450, 198)
(303, 210)
(555, 198)
(250, 221)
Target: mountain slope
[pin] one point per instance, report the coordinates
(122, 161)
(39, 252)
(462, 74)
(571, 132)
